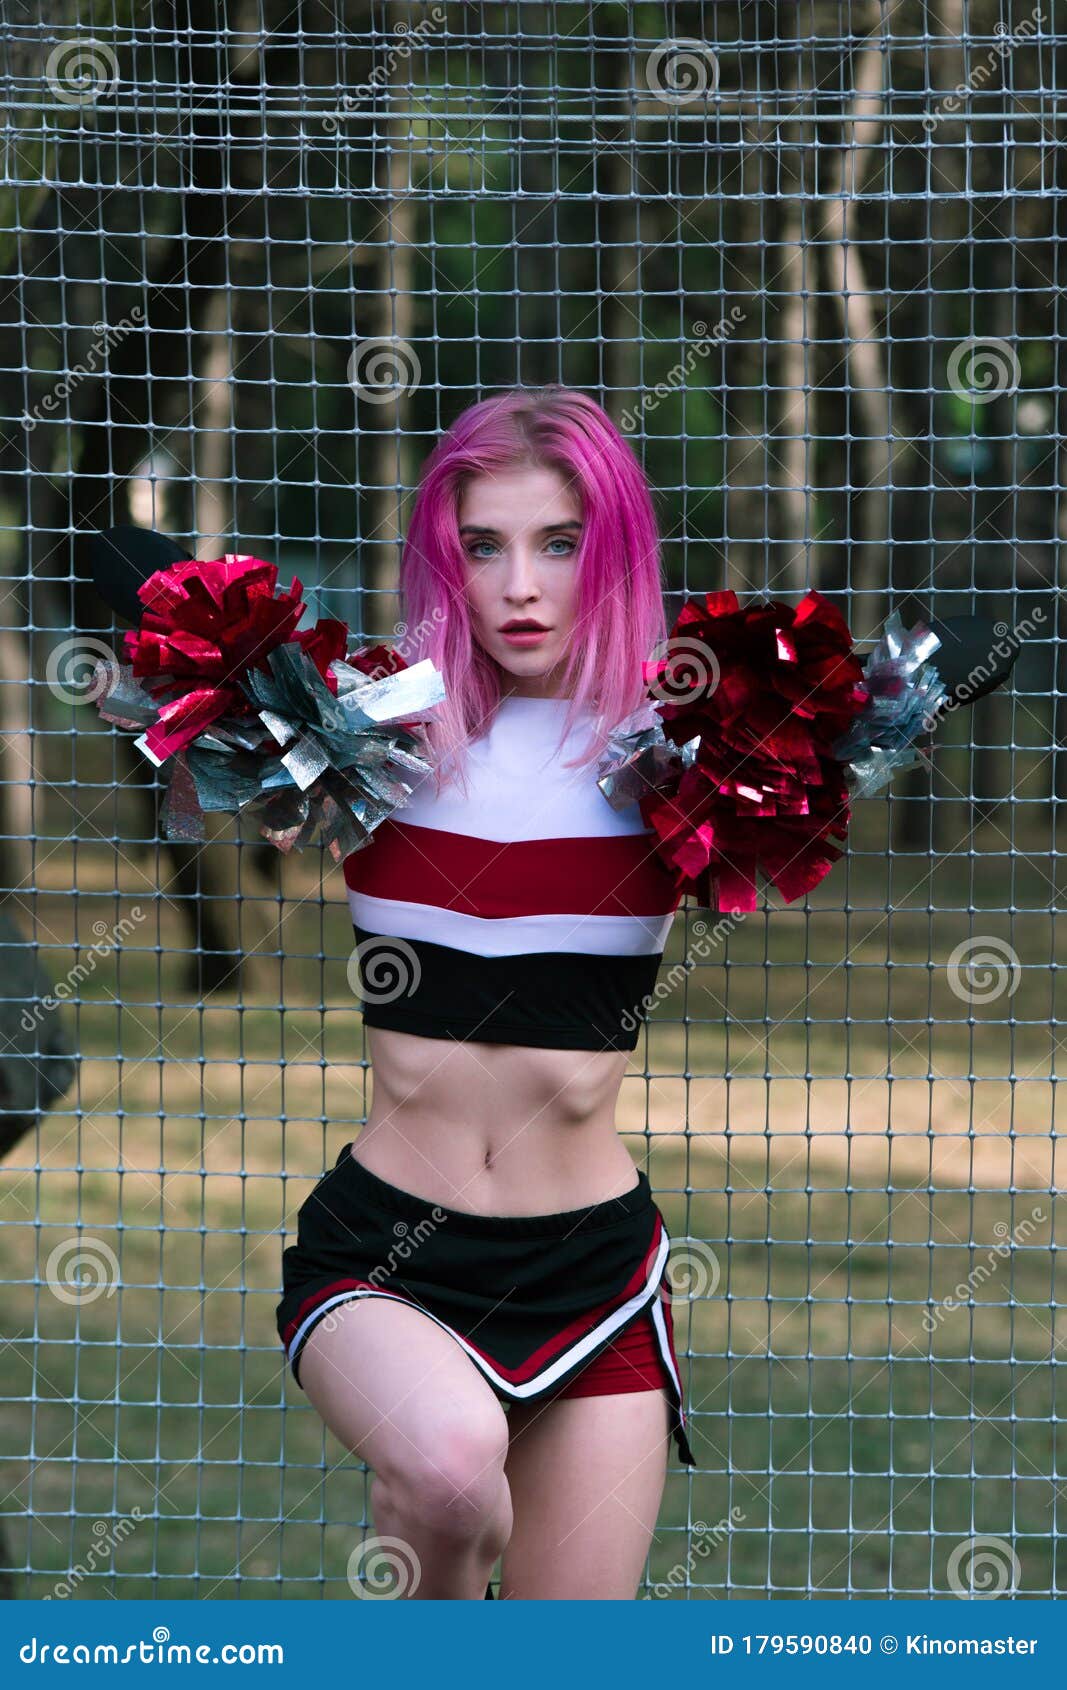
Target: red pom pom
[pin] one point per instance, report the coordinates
(323, 643)
(766, 688)
(210, 620)
(377, 661)
(206, 623)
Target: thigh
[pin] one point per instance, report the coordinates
(395, 1388)
(586, 1476)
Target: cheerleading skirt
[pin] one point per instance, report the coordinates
(569, 1304)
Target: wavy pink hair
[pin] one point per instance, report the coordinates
(619, 615)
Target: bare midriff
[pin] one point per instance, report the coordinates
(495, 1129)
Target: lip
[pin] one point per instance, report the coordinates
(525, 636)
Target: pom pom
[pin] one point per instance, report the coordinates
(257, 719)
(205, 623)
(754, 698)
(905, 694)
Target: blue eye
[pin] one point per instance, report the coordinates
(569, 545)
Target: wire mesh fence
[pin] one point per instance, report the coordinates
(810, 258)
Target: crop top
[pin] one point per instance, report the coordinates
(525, 911)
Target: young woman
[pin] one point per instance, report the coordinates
(477, 1303)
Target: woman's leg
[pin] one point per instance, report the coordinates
(586, 1476)
(399, 1392)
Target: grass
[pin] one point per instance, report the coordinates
(845, 1135)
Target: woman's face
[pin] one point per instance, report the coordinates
(519, 529)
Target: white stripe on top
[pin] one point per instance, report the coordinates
(592, 935)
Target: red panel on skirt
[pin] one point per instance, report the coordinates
(632, 1362)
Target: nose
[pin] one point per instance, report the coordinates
(521, 586)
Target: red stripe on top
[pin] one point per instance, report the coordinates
(615, 875)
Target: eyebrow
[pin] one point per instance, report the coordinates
(550, 528)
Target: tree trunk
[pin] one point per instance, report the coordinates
(886, 447)
(793, 447)
(390, 317)
(620, 279)
(919, 826)
(744, 411)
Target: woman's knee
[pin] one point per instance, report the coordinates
(451, 1483)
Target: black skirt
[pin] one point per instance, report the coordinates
(532, 1299)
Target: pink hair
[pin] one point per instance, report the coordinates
(619, 616)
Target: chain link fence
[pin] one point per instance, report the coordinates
(810, 257)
